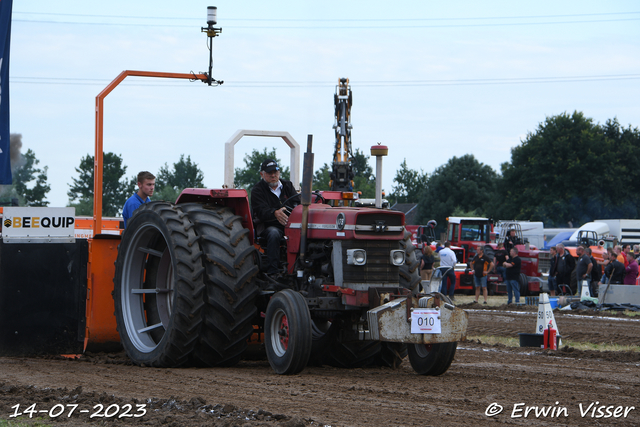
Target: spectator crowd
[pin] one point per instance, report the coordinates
(618, 266)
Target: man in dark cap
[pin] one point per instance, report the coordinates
(269, 213)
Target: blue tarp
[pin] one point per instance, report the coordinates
(559, 238)
(5, 42)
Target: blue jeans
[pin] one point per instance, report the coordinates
(449, 276)
(513, 286)
(553, 284)
(502, 271)
(273, 236)
(480, 282)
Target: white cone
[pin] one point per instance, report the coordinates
(545, 316)
(585, 294)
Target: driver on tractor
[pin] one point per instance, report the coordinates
(270, 215)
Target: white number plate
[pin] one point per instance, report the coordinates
(425, 321)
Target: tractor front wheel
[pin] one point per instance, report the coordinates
(288, 332)
(432, 359)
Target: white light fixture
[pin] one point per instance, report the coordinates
(397, 257)
(356, 257)
(212, 15)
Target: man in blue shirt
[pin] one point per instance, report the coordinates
(146, 185)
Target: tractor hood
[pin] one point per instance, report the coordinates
(346, 223)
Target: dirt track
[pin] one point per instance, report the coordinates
(251, 394)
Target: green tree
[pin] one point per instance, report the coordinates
(364, 180)
(572, 169)
(321, 178)
(27, 192)
(170, 183)
(462, 184)
(410, 184)
(115, 188)
(360, 165)
(247, 177)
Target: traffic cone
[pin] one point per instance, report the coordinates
(585, 290)
(545, 316)
(585, 295)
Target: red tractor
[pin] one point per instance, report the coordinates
(189, 287)
(470, 233)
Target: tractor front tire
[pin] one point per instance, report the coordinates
(287, 330)
(432, 359)
(158, 286)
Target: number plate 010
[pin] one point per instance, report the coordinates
(425, 321)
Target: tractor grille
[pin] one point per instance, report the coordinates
(544, 262)
(390, 219)
(378, 268)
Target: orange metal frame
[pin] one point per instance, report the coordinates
(97, 166)
(100, 321)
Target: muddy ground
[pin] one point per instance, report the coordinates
(482, 380)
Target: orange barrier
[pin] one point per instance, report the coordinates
(101, 323)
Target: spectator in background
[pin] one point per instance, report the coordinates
(583, 268)
(606, 259)
(619, 255)
(510, 241)
(553, 264)
(146, 185)
(565, 266)
(596, 272)
(626, 251)
(614, 270)
(636, 251)
(426, 264)
(500, 257)
(448, 261)
(481, 266)
(631, 272)
(513, 275)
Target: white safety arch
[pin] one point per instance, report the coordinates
(229, 154)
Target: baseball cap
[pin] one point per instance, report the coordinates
(269, 165)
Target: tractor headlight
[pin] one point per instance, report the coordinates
(356, 256)
(397, 257)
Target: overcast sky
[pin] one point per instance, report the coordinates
(431, 80)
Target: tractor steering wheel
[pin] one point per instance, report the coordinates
(292, 202)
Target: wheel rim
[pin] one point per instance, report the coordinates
(147, 289)
(280, 333)
(423, 350)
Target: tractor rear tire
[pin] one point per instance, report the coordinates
(230, 294)
(391, 354)
(158, 286)
(409, 272)
(328, 349)
(287, 331)
(432, 359)
(352, 354)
